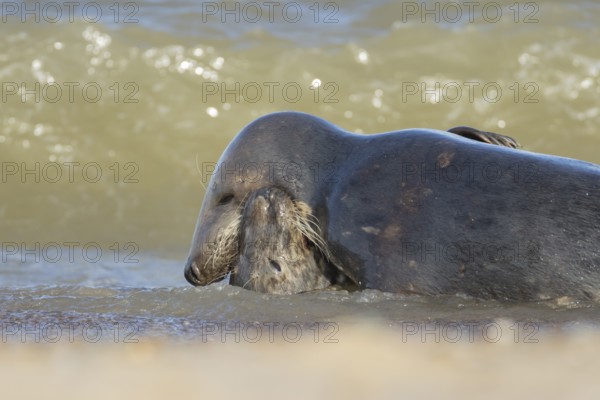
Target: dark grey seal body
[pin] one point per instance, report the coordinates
(413, 211)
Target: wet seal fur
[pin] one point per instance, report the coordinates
(279, 250)
(413, 211)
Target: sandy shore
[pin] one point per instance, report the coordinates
(366, 362)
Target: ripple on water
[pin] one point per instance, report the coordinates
(183, 312)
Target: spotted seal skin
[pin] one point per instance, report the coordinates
(275, 252)
(272, 248)
(415, 211)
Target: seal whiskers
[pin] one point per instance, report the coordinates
(308, 225)
(226, 249)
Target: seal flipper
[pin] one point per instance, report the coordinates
(486, 137)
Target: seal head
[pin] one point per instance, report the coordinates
(279, 246)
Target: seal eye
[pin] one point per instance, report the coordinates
(225, 199)
(275, 265)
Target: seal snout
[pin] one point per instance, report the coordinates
(270, 194)
(264, 202)
(192, 274)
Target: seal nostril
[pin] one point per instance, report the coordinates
(225, 199)
(192, 274)
(275, 265)
(195, 270)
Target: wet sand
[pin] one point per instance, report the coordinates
(367, 362)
